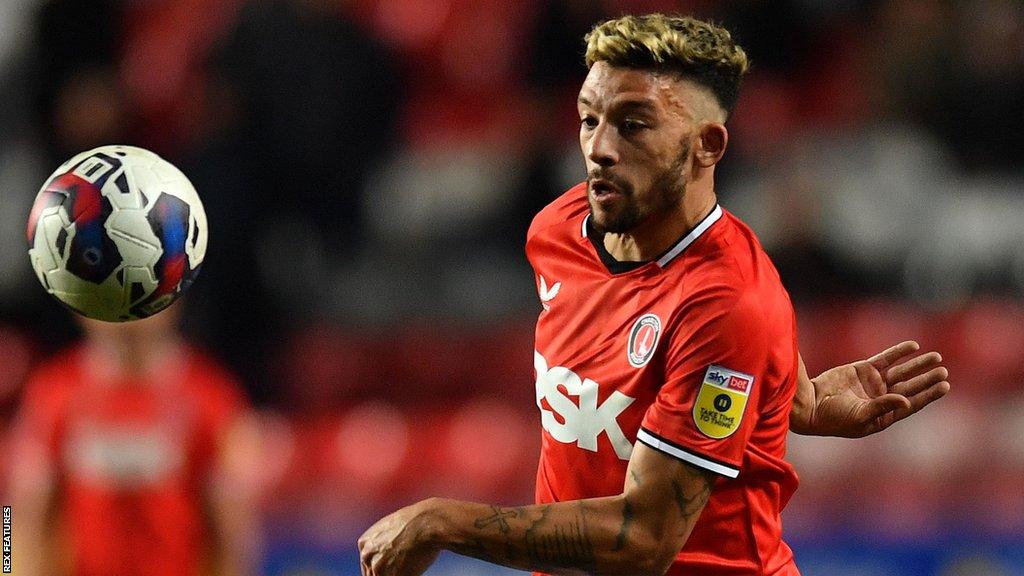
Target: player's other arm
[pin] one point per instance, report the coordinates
(232, 490)
(868, 396)
(638, 532)
(232, 500)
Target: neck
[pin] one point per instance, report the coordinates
(657, 234)
(131, 356)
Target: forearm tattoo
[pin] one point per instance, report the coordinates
(627, 519)
(500, 517)
(551, 545)
(691, 502)
(538, 538)
(539, 541)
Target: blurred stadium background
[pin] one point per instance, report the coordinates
(369, 168)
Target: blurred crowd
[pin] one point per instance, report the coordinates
(369, 169)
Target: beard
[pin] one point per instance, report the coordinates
(665, 194)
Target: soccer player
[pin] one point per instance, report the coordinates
(129, 460)
(667, 370)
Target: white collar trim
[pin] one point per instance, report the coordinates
(691, 237)
(683, 243)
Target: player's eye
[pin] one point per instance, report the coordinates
(630, 125)
(588, 122)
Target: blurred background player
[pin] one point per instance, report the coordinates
(132, 452)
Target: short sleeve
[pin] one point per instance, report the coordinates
(225, 403)
(220, 402)
(716, 358)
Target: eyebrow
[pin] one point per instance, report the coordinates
(636, 104)
(643, 104)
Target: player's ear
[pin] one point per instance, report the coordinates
(711, 144)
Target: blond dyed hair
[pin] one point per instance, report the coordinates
(699, 51)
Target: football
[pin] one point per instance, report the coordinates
(117, 233)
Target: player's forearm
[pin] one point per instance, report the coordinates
(237, 554)
(236, 524)
(602, 535)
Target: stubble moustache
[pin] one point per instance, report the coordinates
(667, 192)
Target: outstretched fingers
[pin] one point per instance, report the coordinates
(927, 394)
(890, 356)
(916, 366)
(921, 381)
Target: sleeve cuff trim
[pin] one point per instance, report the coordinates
(685, 455)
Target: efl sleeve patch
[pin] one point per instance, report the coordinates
(721, 400)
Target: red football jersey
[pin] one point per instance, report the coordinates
(131, 459)
(693, 354)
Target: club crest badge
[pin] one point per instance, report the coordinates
(723, 395)
(643, 339)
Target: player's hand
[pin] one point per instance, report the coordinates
(868, 396)
(396, 545)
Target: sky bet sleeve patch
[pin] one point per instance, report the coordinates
(723, 395)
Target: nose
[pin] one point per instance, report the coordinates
(601, 147)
